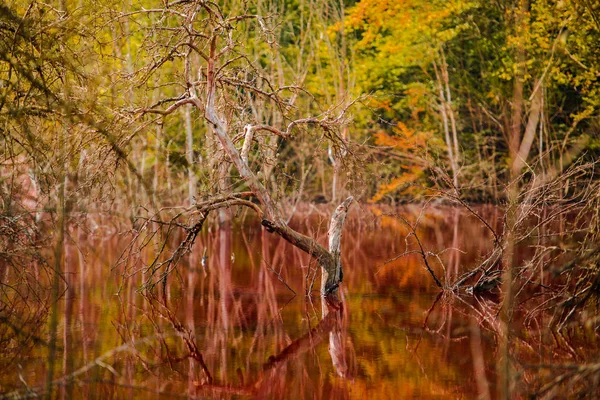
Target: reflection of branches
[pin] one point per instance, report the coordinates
(197, 214)
(573, 375)
(483, 313)
(421, 250)
(429, 312)
(310, 340)
(183, 332)
(330, 324)
(101, 361)
(21, 332)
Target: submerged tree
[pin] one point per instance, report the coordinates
(212, 69)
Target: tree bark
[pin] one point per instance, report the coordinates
(514, 139)
(444, 114)
(273, 221)
(189, 153)
(532, 123)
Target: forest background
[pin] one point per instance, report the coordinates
(480, 92)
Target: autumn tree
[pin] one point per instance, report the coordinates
(503, 85)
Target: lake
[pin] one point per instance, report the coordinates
(235, 321)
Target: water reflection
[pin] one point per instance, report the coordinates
(240, 325)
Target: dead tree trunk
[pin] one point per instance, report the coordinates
(219, 52)
(330, 260)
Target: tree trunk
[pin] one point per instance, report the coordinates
(273, 221)
(445, 123)
(520, 159)
(514, 140)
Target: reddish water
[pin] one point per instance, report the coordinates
(392, 336)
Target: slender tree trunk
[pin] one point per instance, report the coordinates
(55, 290)
(59, 244)
(530, 130)
(336, 163)
(189, 152)
(444, 113)
(505, 373)
(450, 108)
(157, 152)
(514, 140)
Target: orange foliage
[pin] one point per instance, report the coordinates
(405, 140)
(384, 104)
(413, 174)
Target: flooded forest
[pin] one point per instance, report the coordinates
(299, 199)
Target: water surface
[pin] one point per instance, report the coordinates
(241, 325)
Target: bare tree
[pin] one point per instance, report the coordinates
(218, 77)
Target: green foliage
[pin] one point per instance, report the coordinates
(398, 44)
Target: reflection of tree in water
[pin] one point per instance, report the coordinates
(229, 330)
(329, 329)
(544, 357)
(272, 378)
(24, 289)
(213, 367)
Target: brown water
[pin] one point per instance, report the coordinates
(234, 329)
